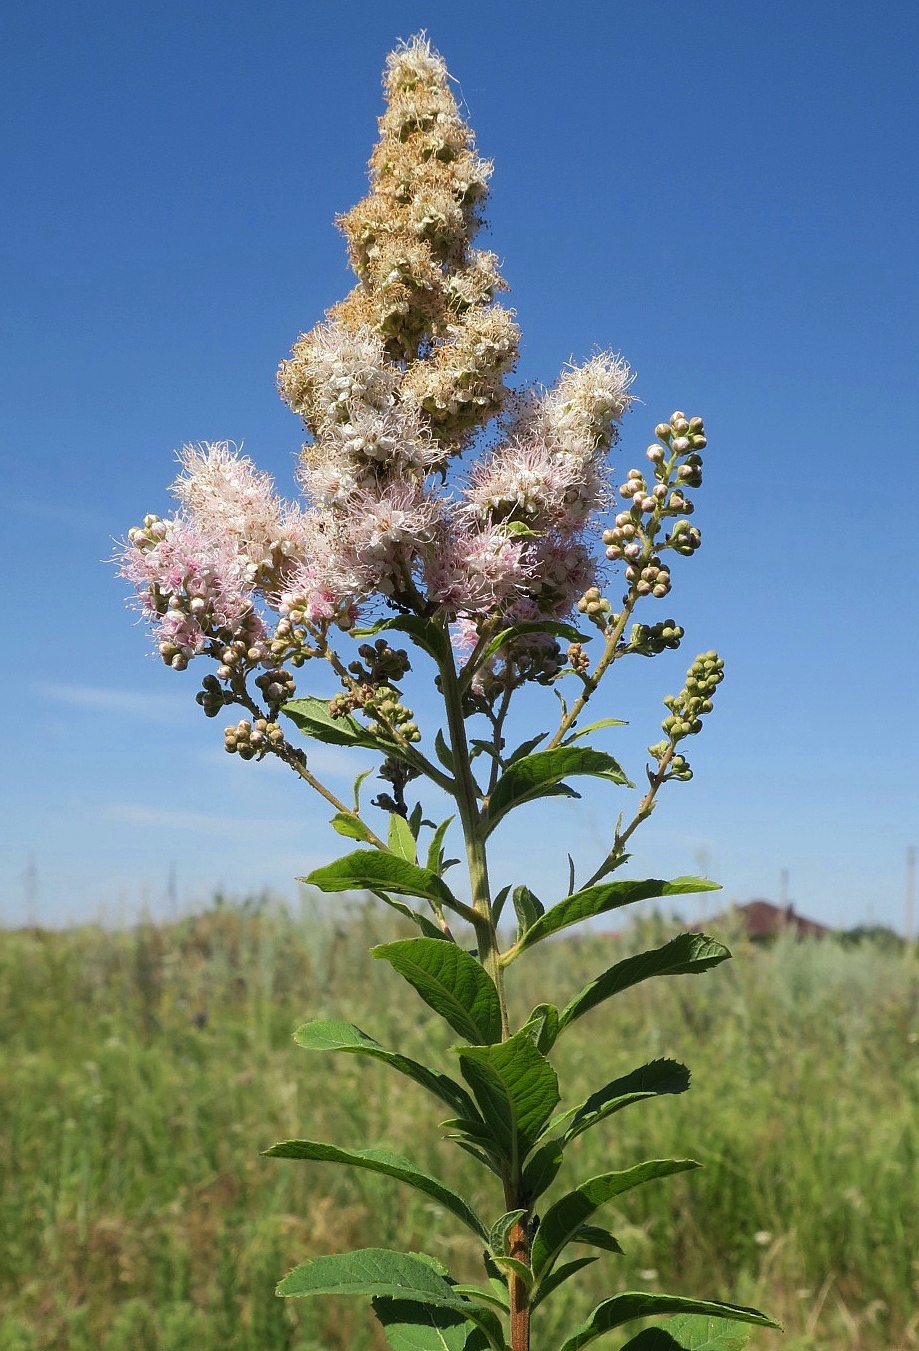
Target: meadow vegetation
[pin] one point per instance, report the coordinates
(144, 1069)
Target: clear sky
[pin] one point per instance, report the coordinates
(723, 191)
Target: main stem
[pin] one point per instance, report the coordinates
(489, 955)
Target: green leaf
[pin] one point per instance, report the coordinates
(500, 1231)
(551, 626)
(606, 896)
(687, 954)
(380, 1273)
(385, 1162)
(558, 1277)
(612, 1313)
(497, 905)
(331, 1035)
(651, 1080)
(312, 717)
(516, 1089)
(436, 847)
(427, 926)
(540, 775)
(598, 1238)
(401, 840)
(428, 634)
(372, 870)
(514, 1267)
(563, 1219)
(352, 827)
(692, 1332)
(542, 1026)
(541, 1169)
(526, 747)
(443, 751)
(451, 982)
(593, 727)
(527, 908)
(418, 1327)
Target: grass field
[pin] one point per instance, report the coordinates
(142, 1072)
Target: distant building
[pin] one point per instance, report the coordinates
(762, 920)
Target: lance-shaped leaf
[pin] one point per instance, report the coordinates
(612, 1313)
(418, 1327)
(383, 1274)
(692, 1332)
(593, 727)
(555, 627)
(426, 925)
(559, 1276)
(372, 870)
(350, 825)
(312, 717)
(541, 774)
(390, 1165)
(650, 1081)
(606, 896)
(401, 841)
(541, 1169)
(542, 1026)
(527, 908)
(598, 1238)
(451, 982)
(687, 954)
(563, 1219)
(516, 1089)
(330, 1035)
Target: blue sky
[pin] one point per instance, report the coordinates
(724, 192)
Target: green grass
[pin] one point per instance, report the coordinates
(137, 1215)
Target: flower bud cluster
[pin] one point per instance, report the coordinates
(384, 703)
(632, 539)
(213, 697)
(596, 607)
(695, 699)
(384, 663)
(648, 640)
(253, 740)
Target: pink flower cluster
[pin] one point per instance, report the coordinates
(378, 519)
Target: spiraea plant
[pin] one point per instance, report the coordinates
(448, 511)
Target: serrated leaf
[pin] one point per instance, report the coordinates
(401, 841)
(540, 775)
(687, 954)
(516, 1089)
(328, 1034)
(390, 1165)
(692, 1332)
(372, 870)
(606, 896)
(651, 1080)
(352, 827)
(498, 1234)
(312, 717)
(381, 1273)
(541, 1169)
(435, 860)
(594, 727)
(451, 982)
(598, 1238)
(558, 1277)
(612, 1313)
(417, 1327)
(563, 1219)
